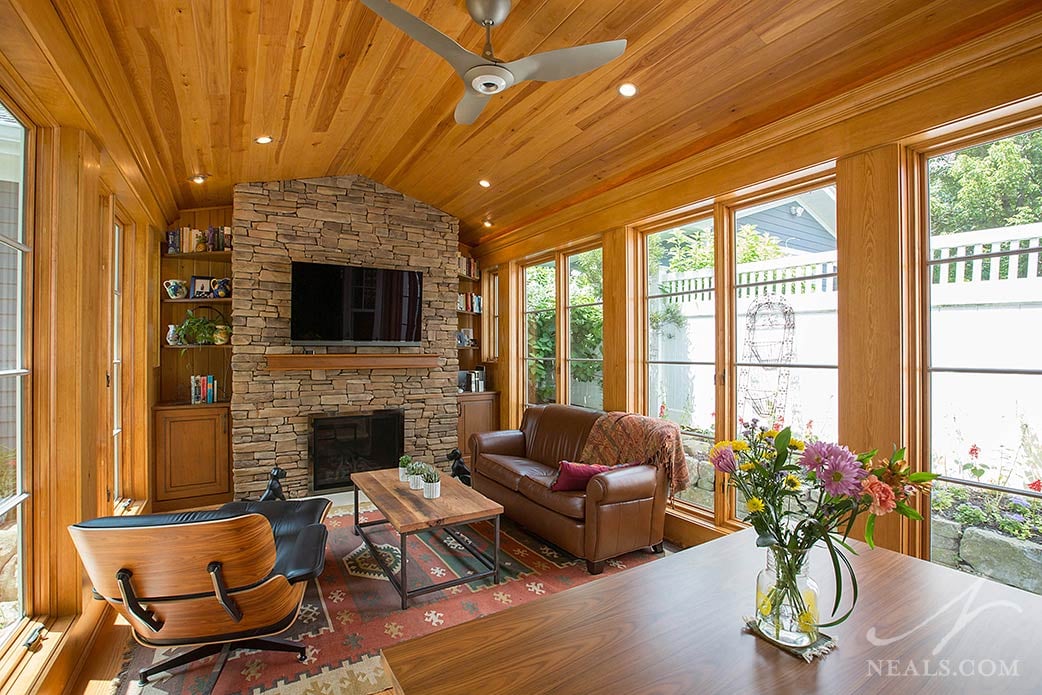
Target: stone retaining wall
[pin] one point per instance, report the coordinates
(347, 220)
(987, 553)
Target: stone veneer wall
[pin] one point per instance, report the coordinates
(348, 220)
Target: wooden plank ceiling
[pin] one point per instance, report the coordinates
(342, 91)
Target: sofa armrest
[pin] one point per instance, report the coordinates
(622, 485)
(505, 442)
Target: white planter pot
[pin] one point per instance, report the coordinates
(432, 490)
(403, 475)
(415, 482)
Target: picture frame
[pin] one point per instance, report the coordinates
(199, 288)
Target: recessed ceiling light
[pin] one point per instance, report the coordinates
(628, 89)
(263, 140)
(485, 183)
(198, 178)
(487, 223)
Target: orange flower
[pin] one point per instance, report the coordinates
(883, 499)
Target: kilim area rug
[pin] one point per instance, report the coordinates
(352, 611)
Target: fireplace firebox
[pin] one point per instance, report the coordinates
(345, 444)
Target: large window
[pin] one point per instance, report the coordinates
(14, 260)
(585, 312)
(681, 349)
(540, 326)
(983, 279)
(785, 313)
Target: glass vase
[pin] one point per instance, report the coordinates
(787, 598)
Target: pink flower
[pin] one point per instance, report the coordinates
(883, 500)
(974, 451)
(722, 457)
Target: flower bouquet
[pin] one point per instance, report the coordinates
(798, 494)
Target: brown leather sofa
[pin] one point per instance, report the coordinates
(620, 511)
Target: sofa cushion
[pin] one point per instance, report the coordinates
(509, 470)
(570, 504)
(574, 476)
(557, 432)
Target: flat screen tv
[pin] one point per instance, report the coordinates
(347, 305)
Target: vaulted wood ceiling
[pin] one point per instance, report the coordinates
(342, 91)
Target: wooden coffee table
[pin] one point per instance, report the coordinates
(408, 513)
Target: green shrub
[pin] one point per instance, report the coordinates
(970, 515)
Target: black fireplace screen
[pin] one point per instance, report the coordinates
(349, 444)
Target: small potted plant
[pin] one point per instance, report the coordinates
(195, 330)
(416, 470)
(403, 468)
(431, 483)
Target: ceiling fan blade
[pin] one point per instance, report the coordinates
(457, 56)
(470, 106)
(565, 62)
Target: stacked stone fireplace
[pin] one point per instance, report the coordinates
(348, 220)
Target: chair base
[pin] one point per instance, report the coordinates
(268, 644)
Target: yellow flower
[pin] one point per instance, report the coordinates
(807, 623)
(747, 466)
(797, 444)
(739, 445)
(763, 602)
(754, 504)
(791, 482)
(769, 434)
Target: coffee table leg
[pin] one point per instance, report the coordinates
(495, 554)
(405, 581)
(356, 511)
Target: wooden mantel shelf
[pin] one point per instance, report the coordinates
(352, 361)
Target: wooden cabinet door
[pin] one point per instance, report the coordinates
(192, 456)
(477, 413)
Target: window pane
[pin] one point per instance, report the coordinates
(686, 395)
(542, 381)
(12, 175)
(11, 579)
(542, 334)
(586, 336)
(540, 287)
(787, 329)
(786, 312)
(681, 259)
(10, 307)
(682, 328)
(585, 271)
(586, 384)
(985, 321)
(10, 435)
(802, 398)
(987, 427)
(985, 188)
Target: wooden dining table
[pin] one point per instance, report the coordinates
(675, 626)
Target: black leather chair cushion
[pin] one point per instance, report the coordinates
(300, 537)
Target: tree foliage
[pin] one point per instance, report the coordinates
(988, 186)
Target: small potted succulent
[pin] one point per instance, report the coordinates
(431, 483)
(403, 468)
(416, 470)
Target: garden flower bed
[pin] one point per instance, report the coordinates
(992, 534)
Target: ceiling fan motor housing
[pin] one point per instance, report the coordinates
(488, 12)
(489, 79)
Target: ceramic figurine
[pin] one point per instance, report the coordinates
(222, 287)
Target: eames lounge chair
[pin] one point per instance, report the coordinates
(226, 578)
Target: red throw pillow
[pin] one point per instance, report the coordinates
(574, 476)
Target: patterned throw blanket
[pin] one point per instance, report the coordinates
(618, 438)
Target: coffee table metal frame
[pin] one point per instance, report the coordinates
(400, 582)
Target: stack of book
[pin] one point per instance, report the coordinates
(188, 240)
(468, 301)
(467, 266)
(204, 389)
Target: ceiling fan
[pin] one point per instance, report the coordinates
(484, 75)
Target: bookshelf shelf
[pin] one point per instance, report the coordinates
(200, 256)
(471, 278)
(226, 346)
(469, 313)
(201, 300)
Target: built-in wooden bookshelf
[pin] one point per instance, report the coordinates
(469, 286)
